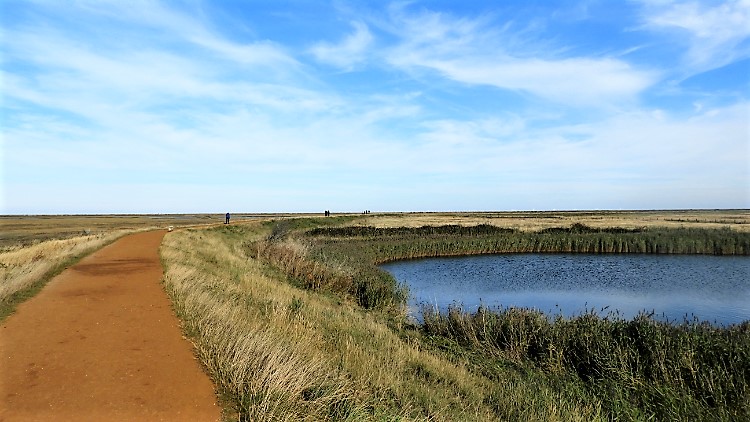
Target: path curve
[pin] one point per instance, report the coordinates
(100, 342)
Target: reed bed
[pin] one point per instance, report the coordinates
(636, 369)
(668, 371)
(419, 242)
(367, 285)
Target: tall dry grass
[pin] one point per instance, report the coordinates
(23, 269)
(253, 344)
(277, 352)
(737, 220)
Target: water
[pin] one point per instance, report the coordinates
(711, 288)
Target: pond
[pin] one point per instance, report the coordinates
(710, 288)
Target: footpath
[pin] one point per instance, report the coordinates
(101, 343)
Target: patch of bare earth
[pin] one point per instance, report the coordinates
(102, 343)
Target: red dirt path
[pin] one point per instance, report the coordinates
(101, 343)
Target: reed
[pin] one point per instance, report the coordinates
(407, 243)
(637, 369)
(534, 221)
(669, 371)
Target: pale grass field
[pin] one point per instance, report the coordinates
(31, 247)
(738, 220)
(29, 229)
(20, 267)
(281, 353)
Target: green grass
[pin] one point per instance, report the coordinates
(294, 321)
(405, 243)
(689, 370)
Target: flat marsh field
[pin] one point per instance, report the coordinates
(293, 320)
(27, 229)
(536, 220)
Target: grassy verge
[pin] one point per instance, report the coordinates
(294, 321)
(279, 351)
(24, 271)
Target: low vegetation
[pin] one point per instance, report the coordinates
(406, 243)
(294, 320)
(28, 230)
(640, 368)
(279, 351)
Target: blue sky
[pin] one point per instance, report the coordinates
(299, 106)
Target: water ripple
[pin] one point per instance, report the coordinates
(711, 288)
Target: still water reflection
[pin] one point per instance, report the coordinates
(711, 288)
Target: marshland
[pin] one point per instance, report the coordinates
(293, 319)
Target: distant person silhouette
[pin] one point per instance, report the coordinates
(227, 222)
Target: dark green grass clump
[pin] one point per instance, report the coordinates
(656, 369)
(373, 232)
(406, 243)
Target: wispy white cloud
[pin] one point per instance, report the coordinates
(474, 51)
(106, 86)
(714, 34)
(576, 81)
(349, 52)
(170, 23)
(90, 106)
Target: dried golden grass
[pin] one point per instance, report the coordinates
(738, 220)
(253, 344)
(30, 229)
(20, 267)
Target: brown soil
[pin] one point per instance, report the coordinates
(101, 342)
